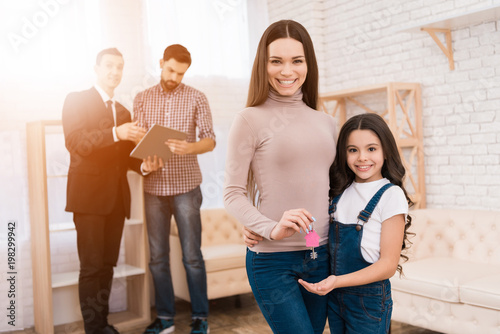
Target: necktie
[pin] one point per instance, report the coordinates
(109, 103)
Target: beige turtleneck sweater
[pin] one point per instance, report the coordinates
(290, 148)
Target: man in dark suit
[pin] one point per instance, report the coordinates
(99, 135)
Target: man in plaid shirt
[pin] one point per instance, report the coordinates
(175, 189)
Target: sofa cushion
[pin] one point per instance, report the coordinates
(223, 257)
(484, 291)
(467, 235)
(439, 278)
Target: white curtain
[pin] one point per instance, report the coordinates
(47, 39)
(218, 33)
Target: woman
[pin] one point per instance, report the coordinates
(279, 153)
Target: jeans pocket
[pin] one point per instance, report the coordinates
(372, 306)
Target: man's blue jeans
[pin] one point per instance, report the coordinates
(186, 210)
(286, 305)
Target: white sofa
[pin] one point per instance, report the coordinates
(451, 283)
(223, 251)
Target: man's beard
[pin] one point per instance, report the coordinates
(169, 84)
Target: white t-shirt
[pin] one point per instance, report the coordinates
(356, 197)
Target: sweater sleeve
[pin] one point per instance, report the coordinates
(242, 144)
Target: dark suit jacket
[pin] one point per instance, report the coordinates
(97, 175)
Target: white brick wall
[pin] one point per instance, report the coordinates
(461, 108)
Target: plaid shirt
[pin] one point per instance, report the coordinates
(183, 109)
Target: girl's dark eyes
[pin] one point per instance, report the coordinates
(354, 150)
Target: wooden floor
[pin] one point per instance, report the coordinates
(236, 315)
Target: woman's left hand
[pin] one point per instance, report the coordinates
(320, 288)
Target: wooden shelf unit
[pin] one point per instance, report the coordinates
(446, 24)
(403, 114)
(50, 291)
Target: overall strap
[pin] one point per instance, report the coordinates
(365, 214)
(333, 204)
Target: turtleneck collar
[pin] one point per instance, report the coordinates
(294, 100)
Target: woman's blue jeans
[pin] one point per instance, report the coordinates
(186, 210)
(286, 305)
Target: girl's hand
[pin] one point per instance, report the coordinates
(320, 288)
(291, 222)
(250, 238)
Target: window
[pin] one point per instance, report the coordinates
(49, 39)
(216, 34)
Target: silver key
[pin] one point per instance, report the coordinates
(314, 255)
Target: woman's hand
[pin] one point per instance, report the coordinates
(291, 222)
(320, 288)
(250, 238)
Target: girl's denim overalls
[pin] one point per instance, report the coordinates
(364, 309)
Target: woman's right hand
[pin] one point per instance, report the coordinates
(250, 238)
(291, 222)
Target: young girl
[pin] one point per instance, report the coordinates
(369, 208)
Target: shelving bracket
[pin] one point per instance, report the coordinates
(448, 50)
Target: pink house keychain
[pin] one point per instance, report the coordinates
(312, 240)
